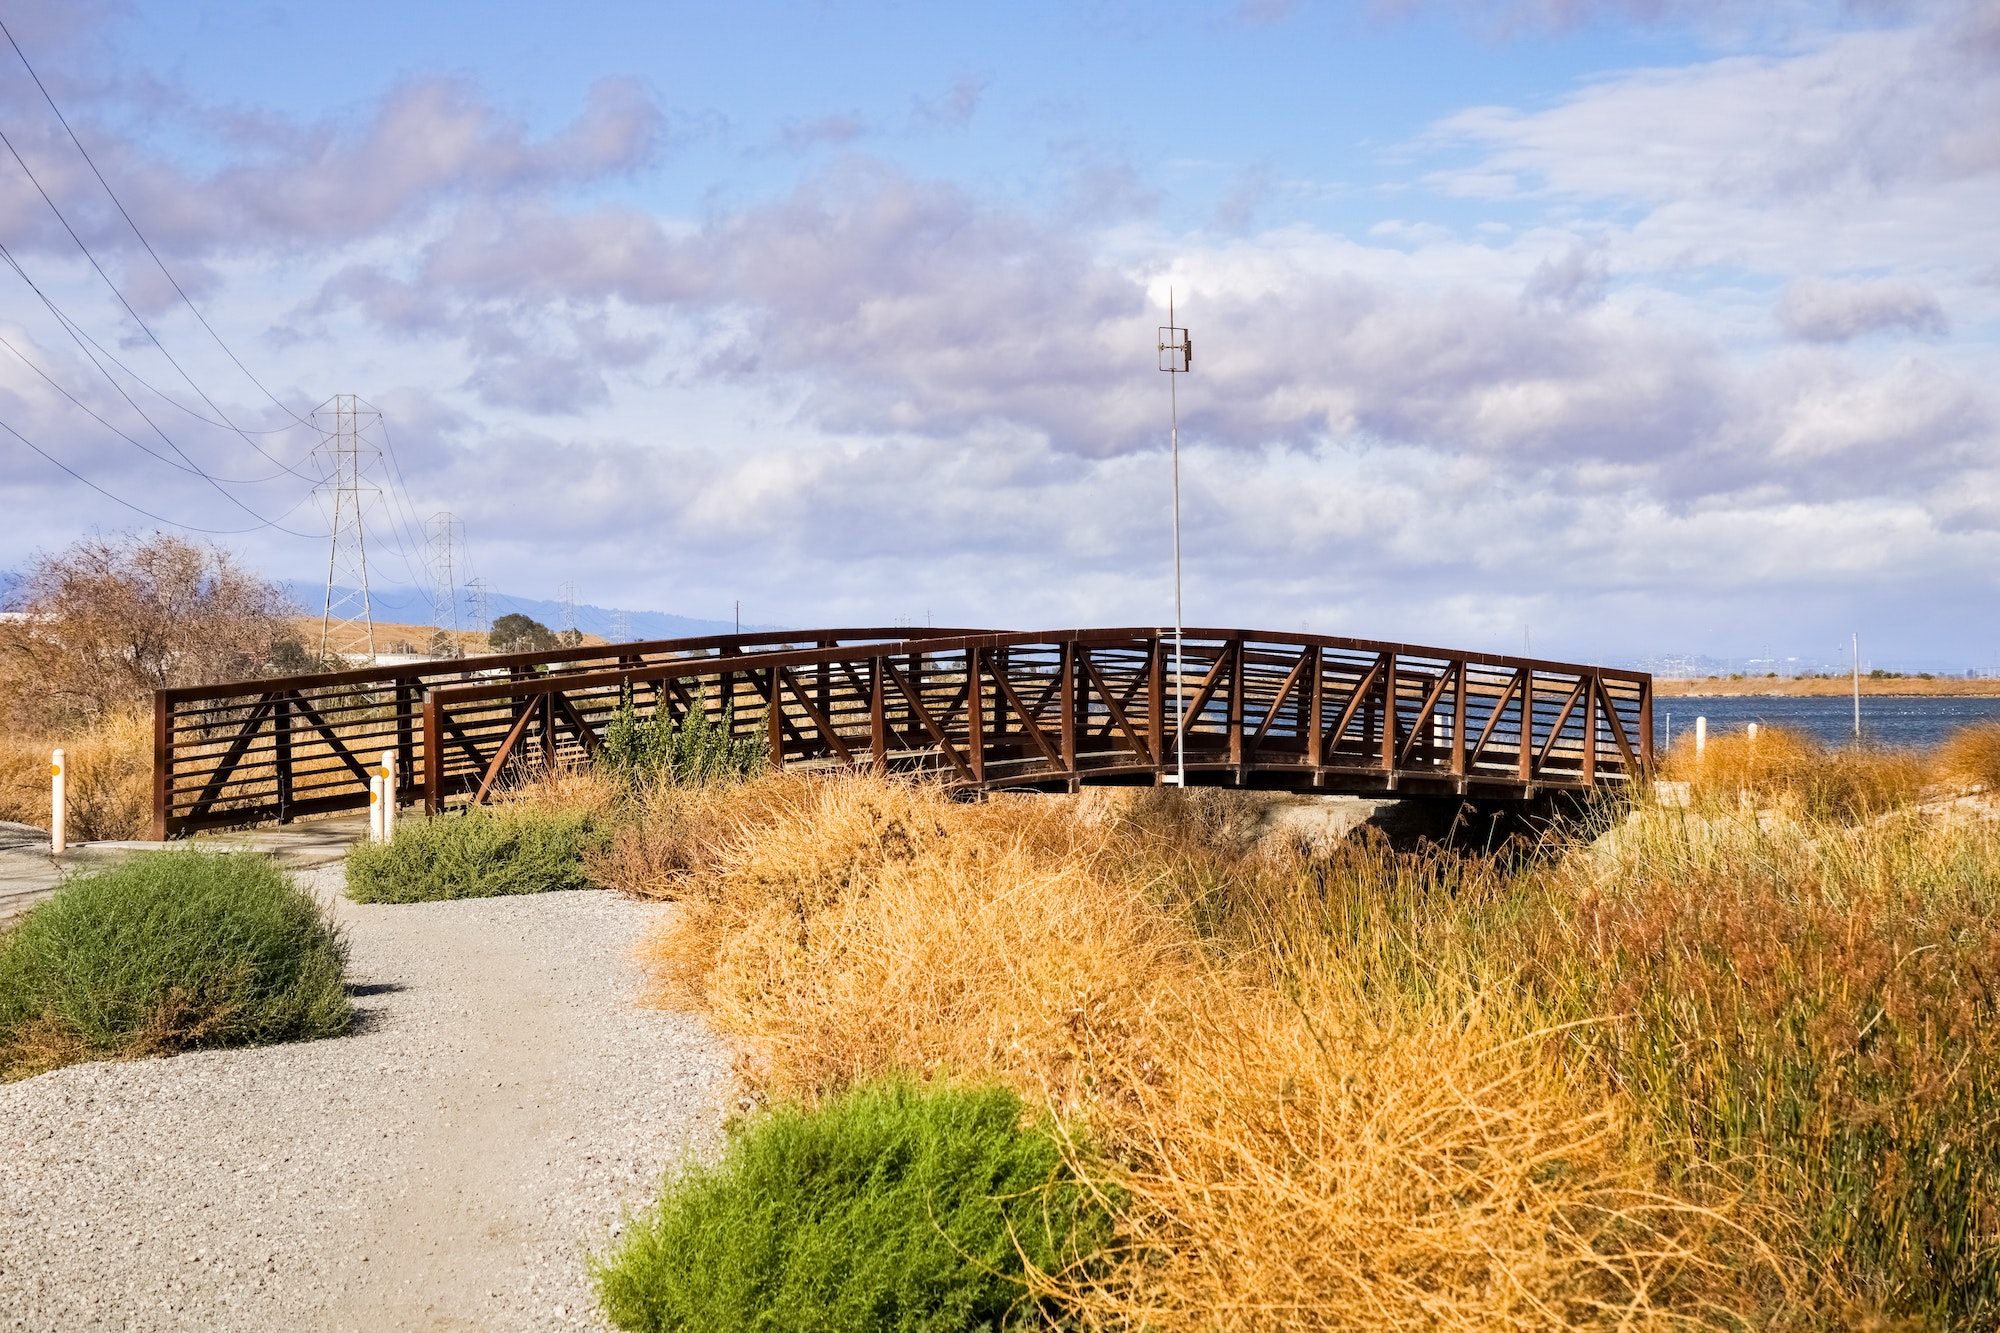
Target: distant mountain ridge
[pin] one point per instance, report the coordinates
(406, 607)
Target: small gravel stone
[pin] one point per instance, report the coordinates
(449, 1165)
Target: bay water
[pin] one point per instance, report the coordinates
(1903, 721)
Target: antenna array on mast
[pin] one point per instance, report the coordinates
(1176, 358)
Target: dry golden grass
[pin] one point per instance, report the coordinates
(1787, 771)
(1300, 1149)
(109, 785)
(1970, 757)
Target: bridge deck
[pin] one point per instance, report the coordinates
(980, 710)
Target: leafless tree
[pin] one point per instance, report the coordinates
(98, 626)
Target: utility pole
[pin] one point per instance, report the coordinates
(444, 538)
(343, 458)
(1177, 359)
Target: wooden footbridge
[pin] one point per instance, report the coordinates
(980, 710)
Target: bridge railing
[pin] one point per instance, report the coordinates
(1038, 709)
(1056, 709)
(264, 750)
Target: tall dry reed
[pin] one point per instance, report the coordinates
(108, 780)
(1791, 772)
(1810, 1010)
(1302, 1148)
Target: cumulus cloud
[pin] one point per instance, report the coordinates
(1574, 280)
(1824, 311)
(1470, 430)
(1852, 116)
(427, 142)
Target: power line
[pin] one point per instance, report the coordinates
(95, 415)
(146, 328)
(119, 204)
(67, 323)
(146, 513)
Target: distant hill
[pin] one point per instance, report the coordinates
(403, 607)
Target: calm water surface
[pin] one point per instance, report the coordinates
(1907, 720)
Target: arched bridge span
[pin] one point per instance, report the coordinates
(986, 710)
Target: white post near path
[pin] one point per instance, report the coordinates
(58, 806)
(388, 795)
(1700, 737)
(375, 808)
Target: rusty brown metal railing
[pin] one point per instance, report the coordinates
(981, 710)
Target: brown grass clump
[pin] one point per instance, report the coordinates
(1302, 1147)
(1970, 757)
(1789, 771)
(109, 781)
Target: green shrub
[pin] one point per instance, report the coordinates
(895, 1207)
(171, 951)
(477, 853)
(688, 753)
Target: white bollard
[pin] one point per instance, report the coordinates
(375, 808)
(58, 806)
(1700, 737)
(388, 795)
(1753, 733)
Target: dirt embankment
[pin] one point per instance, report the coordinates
(1720, 687)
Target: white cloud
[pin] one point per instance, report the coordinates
(874, 391)
(1817, 310)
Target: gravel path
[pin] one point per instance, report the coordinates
(448, 1166)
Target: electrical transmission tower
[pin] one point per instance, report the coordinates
(566, 597)
(475, 592)
(343, 457)
(444, 544)
(621, 627)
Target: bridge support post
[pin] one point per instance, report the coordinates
(1069, 676)
(878, 720)
(1389, 726)
(1527, 693)
(1316, 737)
(281, 728)
(975, 713)
(1645, 773)
(433, 755)
(406, 742)
(774, 713)
(1236, 708)
(1156, 708)
(1458, 715)
(1590, 732)
(163, 781)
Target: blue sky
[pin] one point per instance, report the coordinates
(1635, 326)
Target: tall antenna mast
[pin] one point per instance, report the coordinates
(343, 458)
(1176, 358)
(444, 538)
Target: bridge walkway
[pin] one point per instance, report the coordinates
(978, 710)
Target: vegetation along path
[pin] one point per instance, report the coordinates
(449, 1165)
